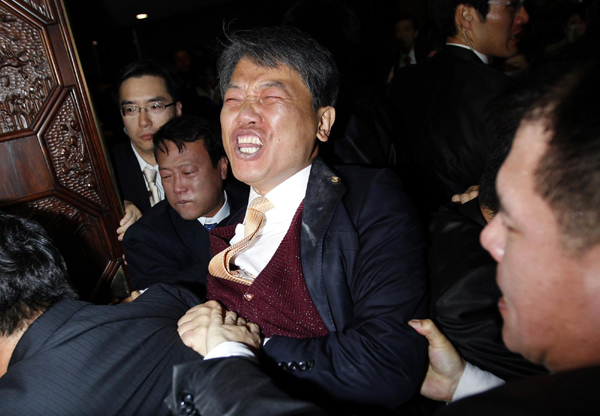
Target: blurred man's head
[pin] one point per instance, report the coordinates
(405, 33)
(192, 166)
(279, 89)
(546, 235)
(148, 98)
(491, 27)
(33, 274)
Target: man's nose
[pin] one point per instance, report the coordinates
(179, 184)
(144, 119)
(249, 113)
(493, 238)
(522, 16)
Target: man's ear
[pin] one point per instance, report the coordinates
(178, 107)
(222, 166)
(326, 120)
(464, 17)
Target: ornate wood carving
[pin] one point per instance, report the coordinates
(69, 153)
(25, 76)
(38, 6)
(50, 147)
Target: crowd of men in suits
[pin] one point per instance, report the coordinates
(299, 287)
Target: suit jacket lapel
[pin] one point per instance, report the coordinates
(193, 235)
(323, 194)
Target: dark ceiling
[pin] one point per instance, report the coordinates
(123, 12)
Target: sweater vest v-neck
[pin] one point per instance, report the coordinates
(278, 299)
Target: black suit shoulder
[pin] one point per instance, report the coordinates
(162, 247)
(129, 176)
(572, 392)
(441, 104)
(78, 358)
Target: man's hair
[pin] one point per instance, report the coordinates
(568, 174)
(33, 274)
(148, 67)
(503, 118)
(189, 129)
(408, 16)
(282, 45)
(443, 12)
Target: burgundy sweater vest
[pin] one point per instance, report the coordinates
(278, 300)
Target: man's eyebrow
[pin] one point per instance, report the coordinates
(263, 85)
(150, 100)
(273, 84)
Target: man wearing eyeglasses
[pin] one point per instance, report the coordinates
(148, 98)
(442, 101)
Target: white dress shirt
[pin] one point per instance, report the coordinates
(474, 381)
(411, 57)
(481, 56)
(143, 165)
(219, 216)
(286, 198)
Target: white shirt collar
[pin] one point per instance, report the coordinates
(141, 161)
(411, 56)
(288, 194)
(481, 56)
(219, 216)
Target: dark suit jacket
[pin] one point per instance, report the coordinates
(130, 178)
(83, 359)
(162, 247)
(441, 103)
(365, 130)
(362, 256)
(567, 393)
(232, 386)
(464, 293)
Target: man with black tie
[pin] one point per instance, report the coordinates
(169, 244)
(441, 101)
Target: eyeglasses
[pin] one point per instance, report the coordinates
(515, 5)
(152, 108)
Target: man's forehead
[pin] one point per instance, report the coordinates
(517, 174)
(145, 87)
(247, 65)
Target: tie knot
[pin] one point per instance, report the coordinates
(260, 204)
(150, 174)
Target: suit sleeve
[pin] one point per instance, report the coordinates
(149, 261)
(231, 386)
(374, 357)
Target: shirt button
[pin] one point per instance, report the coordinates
(248, 296)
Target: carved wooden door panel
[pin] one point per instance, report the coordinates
(53, 166)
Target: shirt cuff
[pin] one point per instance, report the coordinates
(230, 349)
(475, 380)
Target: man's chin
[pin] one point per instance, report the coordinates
(187, 213)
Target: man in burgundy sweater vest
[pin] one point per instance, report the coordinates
(337, 270)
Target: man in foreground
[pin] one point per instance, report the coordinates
(60, 356)
(331, 265)
(546, 240)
